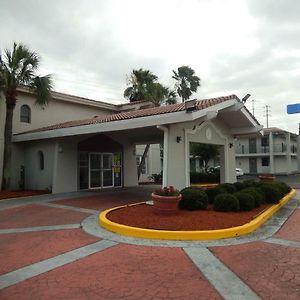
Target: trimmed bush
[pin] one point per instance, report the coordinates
(228, 187)
(193, 199)
(272, 193)
(198, 177)
(246, 200)
(251, 183)
(239, 185)
(212, 193)
(257, 194)
(285, 189)
(226, 202)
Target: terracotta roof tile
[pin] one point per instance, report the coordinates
(200, 104)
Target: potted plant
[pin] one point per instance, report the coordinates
(166, 200)
(267, 178)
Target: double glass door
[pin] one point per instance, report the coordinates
(101, 170)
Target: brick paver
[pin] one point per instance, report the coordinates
(125, 271)
(291, 229)
(22, 249)
(121, 272)
(105, 201)
(272, 271)
(38, 215)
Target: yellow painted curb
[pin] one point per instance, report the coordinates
(192, 235)
(205, 185)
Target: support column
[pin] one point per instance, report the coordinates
(130, 168)
(175, 158)
(271, 153)
(165, 155)
(298, 150)
(288, 153)
(227, 163)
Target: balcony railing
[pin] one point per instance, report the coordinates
(247, 150)
(277, 148)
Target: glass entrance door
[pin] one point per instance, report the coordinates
(107, 170)
(95, 170)
(101, 170)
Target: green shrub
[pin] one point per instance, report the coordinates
(212, 193)
(239, 185)
(246, 200)
(285, 189)
(272, 193)
(251, 183)
(257, 194)
(228, 187)
(193, 199)
(226, 202)
(198, 177)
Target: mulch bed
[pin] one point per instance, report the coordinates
(144, 216)
(17, 194)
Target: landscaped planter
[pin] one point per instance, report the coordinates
(165, 204)
(267, 178)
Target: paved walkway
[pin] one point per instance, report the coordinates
(52, 248)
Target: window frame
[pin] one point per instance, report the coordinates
(25, 114)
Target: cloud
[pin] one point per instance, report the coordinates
(234, 46)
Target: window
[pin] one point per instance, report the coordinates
(25, 114)
(265, 161)
(41, 160)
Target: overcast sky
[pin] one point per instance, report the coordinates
(234, 46)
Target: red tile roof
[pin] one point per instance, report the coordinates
(200, 104)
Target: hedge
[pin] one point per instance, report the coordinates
(193, 199)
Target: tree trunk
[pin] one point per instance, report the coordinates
(143, 160)
(6, 175)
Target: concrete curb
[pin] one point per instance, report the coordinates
(192, 235)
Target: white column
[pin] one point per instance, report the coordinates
(298, 152)
(165, 154)
(288, 153)
(176, 169)
(271, 154)
(129, 162)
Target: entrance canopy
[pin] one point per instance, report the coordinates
(215, 121)
(229, 109)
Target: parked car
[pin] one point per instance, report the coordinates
(239, 172)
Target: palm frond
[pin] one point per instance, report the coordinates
(42, 87)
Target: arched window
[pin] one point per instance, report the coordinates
(41, 160)
(25, 114)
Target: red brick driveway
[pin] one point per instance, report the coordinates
(45, 254)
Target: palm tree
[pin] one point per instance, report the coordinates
(18, 68)
(187, 82)
(159, 94)
(144, 86)
(139, 82)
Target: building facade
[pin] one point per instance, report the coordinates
(78, 144)
(277, 152)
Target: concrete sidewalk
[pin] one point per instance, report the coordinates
(47, 254)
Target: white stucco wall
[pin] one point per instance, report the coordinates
(209, 132)
(56, 111)
(65, 164)
(34, 177)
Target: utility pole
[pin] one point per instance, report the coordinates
(267, 113)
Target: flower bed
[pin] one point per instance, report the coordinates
(143, 216)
